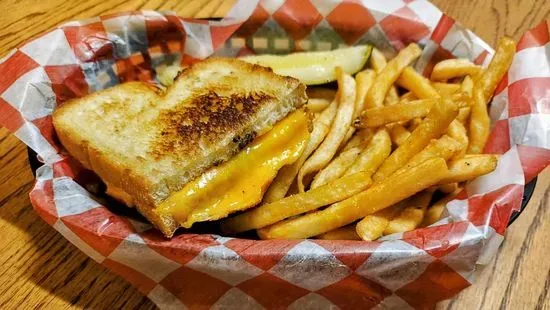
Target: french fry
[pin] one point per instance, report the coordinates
(417, 84)
(347, 137)
(444, 147)
(479, 123)
(484, 88)
(470, 167)
(389, 74)
(282, 182)
(372, 226)
(464, 115)
(342, 233)
(467, 86)
(489, 79)
(409, 96)
(433, 214)
(317, 105)
(412, 215)
(322, 156)
(321, 93)
(337, 167)
(446, 89)
(399, 134)
(378, 62)
(363, 80)
(360, 137)
(400, 112)
(391, 97)
(432, 127)
(378, 149)
(413, 124)
(447, 188)
(453, 68)
(458, 132)
(276, 211)
(381, 195)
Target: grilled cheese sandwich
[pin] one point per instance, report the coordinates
(224, 124)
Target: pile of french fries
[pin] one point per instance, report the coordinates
(380, 147)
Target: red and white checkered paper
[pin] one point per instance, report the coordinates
(415, 269)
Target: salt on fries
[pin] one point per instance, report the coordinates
(376, 157)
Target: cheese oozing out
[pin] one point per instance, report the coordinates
(241, 182)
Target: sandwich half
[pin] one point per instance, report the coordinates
(182, 152)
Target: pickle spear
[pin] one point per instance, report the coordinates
(313, 68)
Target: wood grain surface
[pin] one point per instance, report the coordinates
(42, 270)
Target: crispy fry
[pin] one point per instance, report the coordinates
(448, 188)
(282, 182)
(400, 112)
(379, 196)
(432, 127)
(444, 147)
(347, 137)
(342, 233)
(479, 123)
(276, 211)
(322, 156)
(336, 168)
(399, 134)
(378, 62)
(417, 84)
(467, 86)
(433, 214)
(453, 68)
(413, 124)
(389, 74)
(412, 215)
(484, 88)
(363, 80)
(489, 79)
(458, 132)
(464, 115)
(470, 167)
(321, 93)
(409, 96)
(378, 149)
(360, 137)
(446, 89)
(317, 105)
(372, 226)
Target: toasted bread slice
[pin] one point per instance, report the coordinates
(149, 144)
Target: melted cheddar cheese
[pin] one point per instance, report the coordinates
(240, 183)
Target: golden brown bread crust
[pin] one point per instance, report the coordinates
(208, 117)
(188, 122)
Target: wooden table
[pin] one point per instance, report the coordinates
(41, 269)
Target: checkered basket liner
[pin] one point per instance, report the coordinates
(411, 270)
